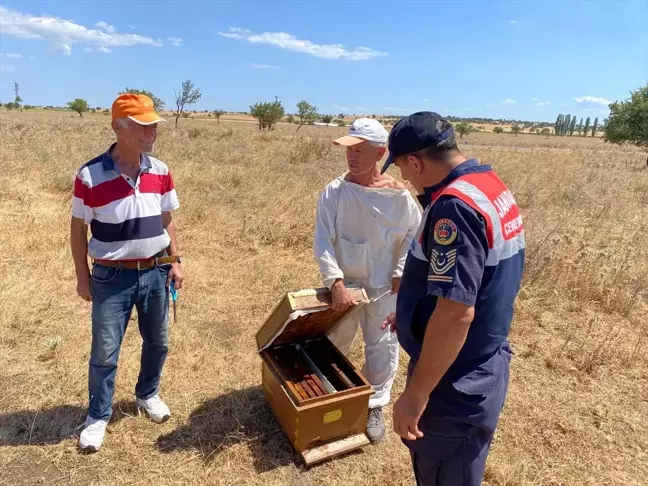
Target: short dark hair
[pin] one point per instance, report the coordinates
(442, 150)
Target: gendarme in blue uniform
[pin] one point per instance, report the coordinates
(469, 249)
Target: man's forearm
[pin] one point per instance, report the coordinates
(444, 337)
(169, 225)
(79, 244)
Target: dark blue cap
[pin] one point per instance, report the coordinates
(415, 132)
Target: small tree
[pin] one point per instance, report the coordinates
(79, 105)
(628, 121)
(595, 127)
(572, 126)
(463, 128)
(188, 96)
(566, 122)
(306, 112)
(158, 104)
(290, 119)
(18, 99)
(498, 130)
(268, 113)
(587, 127)
(327, 118)
(546, 131)
(580, 127)
(217, 114)
(515, 129)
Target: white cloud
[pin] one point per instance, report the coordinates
(514, 22)
(592, 100)
(508, 101)
(261, 66)
(65, 33)
(106, 27)
(176, 41)
(535, 99)
(564, 105)
(361, 109)
(238, 30)
(6, 69)
(489, 105)
(291, 43)
(425, 100)
(11, 55)
(132, 27)
(398, 111)
(543, 103)
(105, 50)
(32, 57)
(341, 108)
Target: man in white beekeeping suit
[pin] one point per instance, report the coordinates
(365, 224)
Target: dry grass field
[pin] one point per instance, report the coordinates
(577, 411)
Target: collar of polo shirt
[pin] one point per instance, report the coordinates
(109, 163)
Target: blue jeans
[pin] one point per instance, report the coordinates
(115, 292)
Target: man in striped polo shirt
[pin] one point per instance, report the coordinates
(126, 197)
(455, 303)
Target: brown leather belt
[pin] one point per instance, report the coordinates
(138, 264)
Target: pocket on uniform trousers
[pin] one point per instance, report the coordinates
(352, 258)
(441, 458)
(480, 381)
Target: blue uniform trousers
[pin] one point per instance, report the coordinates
(458, 424)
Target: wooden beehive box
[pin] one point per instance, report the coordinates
(318, 397)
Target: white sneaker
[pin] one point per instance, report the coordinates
(92, 435)
(155, 408)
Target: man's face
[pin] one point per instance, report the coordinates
(411, 167)
(362, 157)
(137, 137)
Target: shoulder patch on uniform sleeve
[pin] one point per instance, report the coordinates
(442, 265)
(445, 232)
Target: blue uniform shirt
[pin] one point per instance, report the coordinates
(453, 257)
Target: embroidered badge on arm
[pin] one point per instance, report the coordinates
(442, 265)
(445, 232)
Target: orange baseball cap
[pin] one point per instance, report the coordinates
(138, 108)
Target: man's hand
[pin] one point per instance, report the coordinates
(176, 274)
(407, 411)
(342, 299)
(84, 287)
(389, 322)
(395, 285)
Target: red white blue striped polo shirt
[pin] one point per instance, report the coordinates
(125, 216)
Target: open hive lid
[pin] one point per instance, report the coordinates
(305, 313)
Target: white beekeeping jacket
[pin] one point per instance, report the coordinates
(363, 234)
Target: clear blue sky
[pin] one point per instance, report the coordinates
(523, 60)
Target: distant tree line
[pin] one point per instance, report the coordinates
(566, 125)
(627, 124)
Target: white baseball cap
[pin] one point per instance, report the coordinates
(361, 130)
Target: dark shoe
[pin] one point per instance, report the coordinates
(375, 425)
